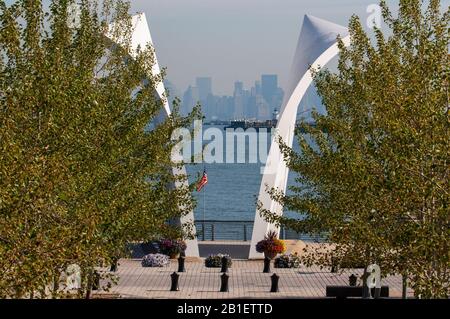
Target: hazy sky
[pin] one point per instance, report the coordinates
(235, 39)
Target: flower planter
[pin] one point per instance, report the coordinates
(155, 260)
(172, 247)
(215, 261)
(271, 246)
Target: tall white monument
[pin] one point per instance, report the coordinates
(317, 45)
(141, 37)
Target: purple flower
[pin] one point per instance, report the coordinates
(172, 246)
(155, 260)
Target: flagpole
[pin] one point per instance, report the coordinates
(204, 199)
(204, 205)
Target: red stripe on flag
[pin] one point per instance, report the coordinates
(202, 182)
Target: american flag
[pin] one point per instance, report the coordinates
(203, 181)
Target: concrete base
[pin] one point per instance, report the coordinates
(236, 251)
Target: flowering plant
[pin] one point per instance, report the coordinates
(288, 261)
(215, 261)
(172, 246)
(155, 260)
(271, 244)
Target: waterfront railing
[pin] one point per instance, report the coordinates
(241, 230)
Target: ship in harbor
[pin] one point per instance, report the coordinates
(255, 124)
(267, 124)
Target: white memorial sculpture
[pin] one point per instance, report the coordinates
(373, 280)
(141, 37)
(317, 45)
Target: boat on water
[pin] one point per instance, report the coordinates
(247, 124)
(258, 124)
(254, 124)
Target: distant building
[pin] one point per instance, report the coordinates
(209, 107)
(278, 100)
(258, 89)
(258, 102)
(172, 92)
(204, 85)
(263, 108)
(238, 96)
(269, 86)
(250, 110)
(190, 99)
(225, 107)
(238, 87)
(254, 101)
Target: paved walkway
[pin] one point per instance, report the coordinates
(246, 281)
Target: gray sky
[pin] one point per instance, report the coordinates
(234, 39)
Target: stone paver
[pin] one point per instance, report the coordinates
(246, 281)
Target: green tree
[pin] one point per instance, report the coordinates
(82, 173)
(373, 175)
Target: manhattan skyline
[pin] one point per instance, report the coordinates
(259, 101)
(234, 39)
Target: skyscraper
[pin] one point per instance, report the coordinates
(204, 85)
(172, 91)
(258, 87)
(269, 87)
(238, 100)
(225, 107)
(190, 99)
(238, 87)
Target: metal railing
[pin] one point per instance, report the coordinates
(241, 230)
(211, 230)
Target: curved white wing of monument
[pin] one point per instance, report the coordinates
(317, 45)
(141, 37)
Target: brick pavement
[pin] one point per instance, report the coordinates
(246, 281)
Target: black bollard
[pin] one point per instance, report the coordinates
(352, 280)
(266, 265)
(224, 264)
(224, 280)
(275, 278)
(181, 260)
(114, 265)
(174, 286)
(95, 281)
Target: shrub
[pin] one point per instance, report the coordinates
(155, 260)
(215, 261)
(288, 261)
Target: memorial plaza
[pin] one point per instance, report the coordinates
(246, 280)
